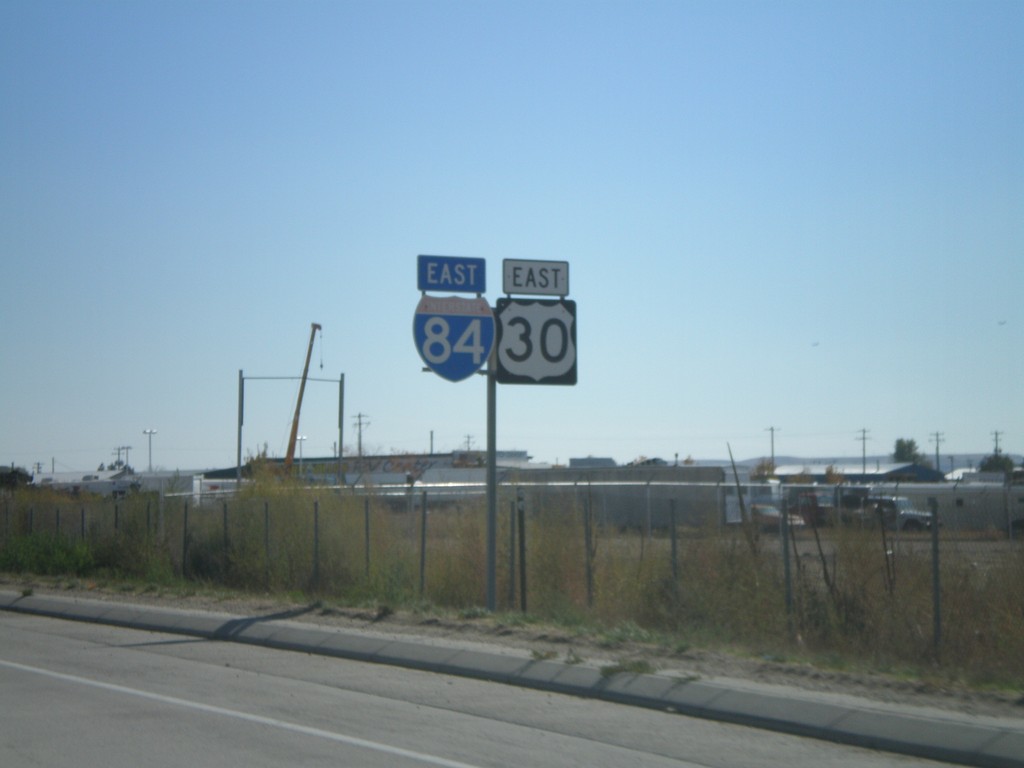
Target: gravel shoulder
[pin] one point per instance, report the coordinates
(506, 633)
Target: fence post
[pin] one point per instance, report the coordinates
(266, 543)
(316, 544)
(933, 503)
(521, 511)
(82, 514)
(226, 547)
(160, 529)
(647, 514)
(675, 544)
(512, 551)
(184, 542)
(786, 535)
(588, 543)
(423, 543)
(366, 533)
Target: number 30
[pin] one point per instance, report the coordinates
(551, 353)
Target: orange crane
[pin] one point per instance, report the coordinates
(290, 457)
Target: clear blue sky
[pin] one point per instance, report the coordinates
(807, 215)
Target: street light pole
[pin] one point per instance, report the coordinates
(301, 439)
(149, 433)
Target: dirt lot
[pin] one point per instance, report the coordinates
(561, 645)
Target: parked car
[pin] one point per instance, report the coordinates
(768, 517)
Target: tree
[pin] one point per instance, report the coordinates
(906, 452)
(764, 469)
(833, 476)
(13, 477)
(997, 462)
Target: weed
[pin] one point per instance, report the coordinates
(630, 666)
(627, 632)
(572, 657)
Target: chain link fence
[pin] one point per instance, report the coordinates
(895, 572)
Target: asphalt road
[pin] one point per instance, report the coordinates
(76, 694)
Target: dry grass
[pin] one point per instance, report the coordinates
(856, 598)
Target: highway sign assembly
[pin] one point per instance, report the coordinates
(457, 274)
(536, 341)
(453, 335)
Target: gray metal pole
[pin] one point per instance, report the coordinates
(341, 427)
(492, 484)
(512, 551)
(238, 453)
(366, 533)
(423, 542)
(933, 503)
(784, 535)
(316, 544)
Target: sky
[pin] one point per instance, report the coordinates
(803, 216)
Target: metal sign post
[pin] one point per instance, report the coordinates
(492, 485)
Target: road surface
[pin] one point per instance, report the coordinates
(75, 694)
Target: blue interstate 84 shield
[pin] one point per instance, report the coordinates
(453, 335)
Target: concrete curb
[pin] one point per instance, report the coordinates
(966, 740)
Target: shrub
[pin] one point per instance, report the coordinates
(46, 554)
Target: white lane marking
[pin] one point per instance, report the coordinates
(273, 722)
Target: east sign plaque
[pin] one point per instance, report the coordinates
(535, 278)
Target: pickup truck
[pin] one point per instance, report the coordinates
(896, 513)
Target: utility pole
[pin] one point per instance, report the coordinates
(469, 443)
(996, 435)
(864, 451)
(937, 438)
(117, 452)
(149, 433)
(362, 420)
(773, 430)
